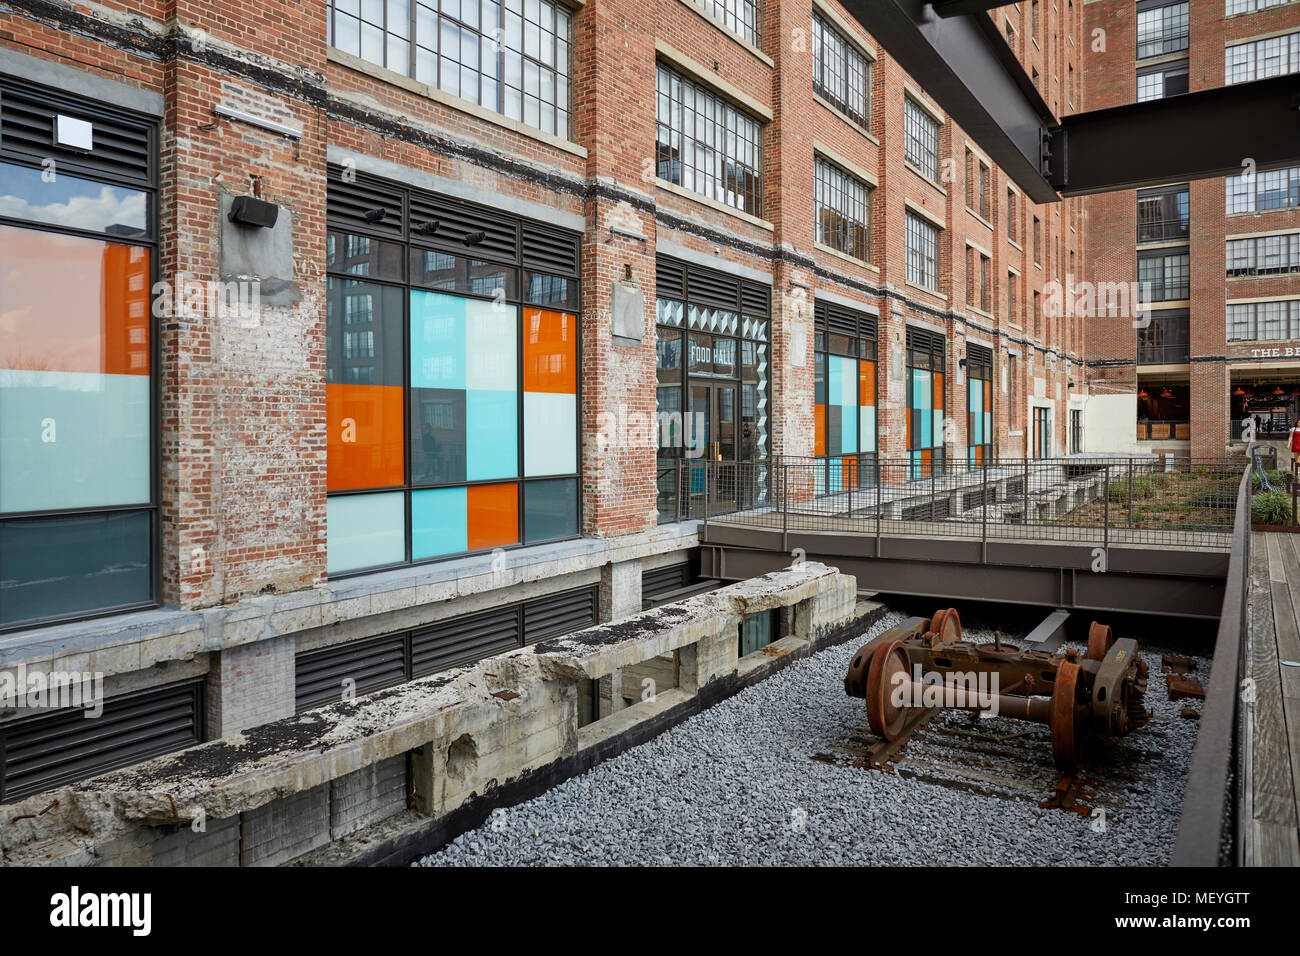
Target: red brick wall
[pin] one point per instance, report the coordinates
(242, 446)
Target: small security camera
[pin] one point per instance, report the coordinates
(376, 215)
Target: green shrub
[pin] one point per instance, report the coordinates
(1276, 477)
(1272, 507)
(1141, 488)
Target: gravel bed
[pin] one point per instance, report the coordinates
(737, 785)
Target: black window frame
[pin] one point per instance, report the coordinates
(833, 85)
(542, 255)
(110, 169)
(844, 232)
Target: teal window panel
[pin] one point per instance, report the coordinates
(491, 346)
(491, 434)
(73, 440)
(848, 380)
(867, 428)
(438, 522)
(849, 430)
(365, 531)
(835, 381)
(550, 433)
(437, 340)
(937, 434)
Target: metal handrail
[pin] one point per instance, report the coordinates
(1209, 807)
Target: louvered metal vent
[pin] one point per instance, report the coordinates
(840, 320)
(709, 289)
(463, 640)
(122, 146)
(548, 250)
(979, 355)
(670, 278)
(356, 205)
(664, 580)
(52, 749)
(925, 341)
(756, 300)
(319, 676)
(459, 219)
(559, 614)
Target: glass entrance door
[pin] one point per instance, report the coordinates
(714, 447)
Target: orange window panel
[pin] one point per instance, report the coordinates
(867, 384)
(850, 472)
(550, 352)
(364, 425)
(493, 515)
(73, 304)
(938, 391)
(819, 429)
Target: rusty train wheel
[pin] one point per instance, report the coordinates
(1100, 639)
(855, 681)
(946, 627)
(1069, 723)
(886, 717)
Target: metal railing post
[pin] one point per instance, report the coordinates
(1105, 520)
(984, 515)
(785, 505)
(878, 504)
(1130, 492)
(1024, 517)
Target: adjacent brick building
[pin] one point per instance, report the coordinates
(1221, 257)
(534, 262)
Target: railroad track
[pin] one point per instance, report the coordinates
(1001, 758)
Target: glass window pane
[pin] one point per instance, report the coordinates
(72, 564)
(72, 202)
(74, 372)
(365, 531)
(550, 509)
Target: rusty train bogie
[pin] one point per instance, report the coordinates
(924, 665)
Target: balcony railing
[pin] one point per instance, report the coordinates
(1163, 230)
(1163, 354)
(1172, 430)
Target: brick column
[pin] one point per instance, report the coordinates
(250, 685)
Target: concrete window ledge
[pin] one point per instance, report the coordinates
(132, 642)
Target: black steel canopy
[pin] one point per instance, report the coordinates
(961, 58)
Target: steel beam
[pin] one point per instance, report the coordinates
(1214, 132)
(964, 63)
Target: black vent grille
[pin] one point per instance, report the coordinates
(348, 203)
(56, 748)
(972, 499)
(670, 279)
(319, 675)
(979, 355)
(1016, 488)
(463, 640)
(458, 220)
(664, 580)
(559, 614)
(549, 251)
(123, 146)
(839, 320)
(756, 300)
(712, 290)
(929, 511)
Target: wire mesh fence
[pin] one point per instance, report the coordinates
(1182, 502)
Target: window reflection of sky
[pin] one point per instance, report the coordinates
(71, 201)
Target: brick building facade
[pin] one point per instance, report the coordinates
(732, 180)
(1222, 256)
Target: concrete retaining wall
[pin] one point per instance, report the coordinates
(399, 771)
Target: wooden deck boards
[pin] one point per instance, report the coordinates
(1272, 831)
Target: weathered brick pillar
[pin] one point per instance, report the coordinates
(243, 390)
(618, 259)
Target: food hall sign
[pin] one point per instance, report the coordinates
(1289, 351)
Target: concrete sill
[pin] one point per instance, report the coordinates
(624, 720)
(764, 657)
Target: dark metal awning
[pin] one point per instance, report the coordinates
(958, 54)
